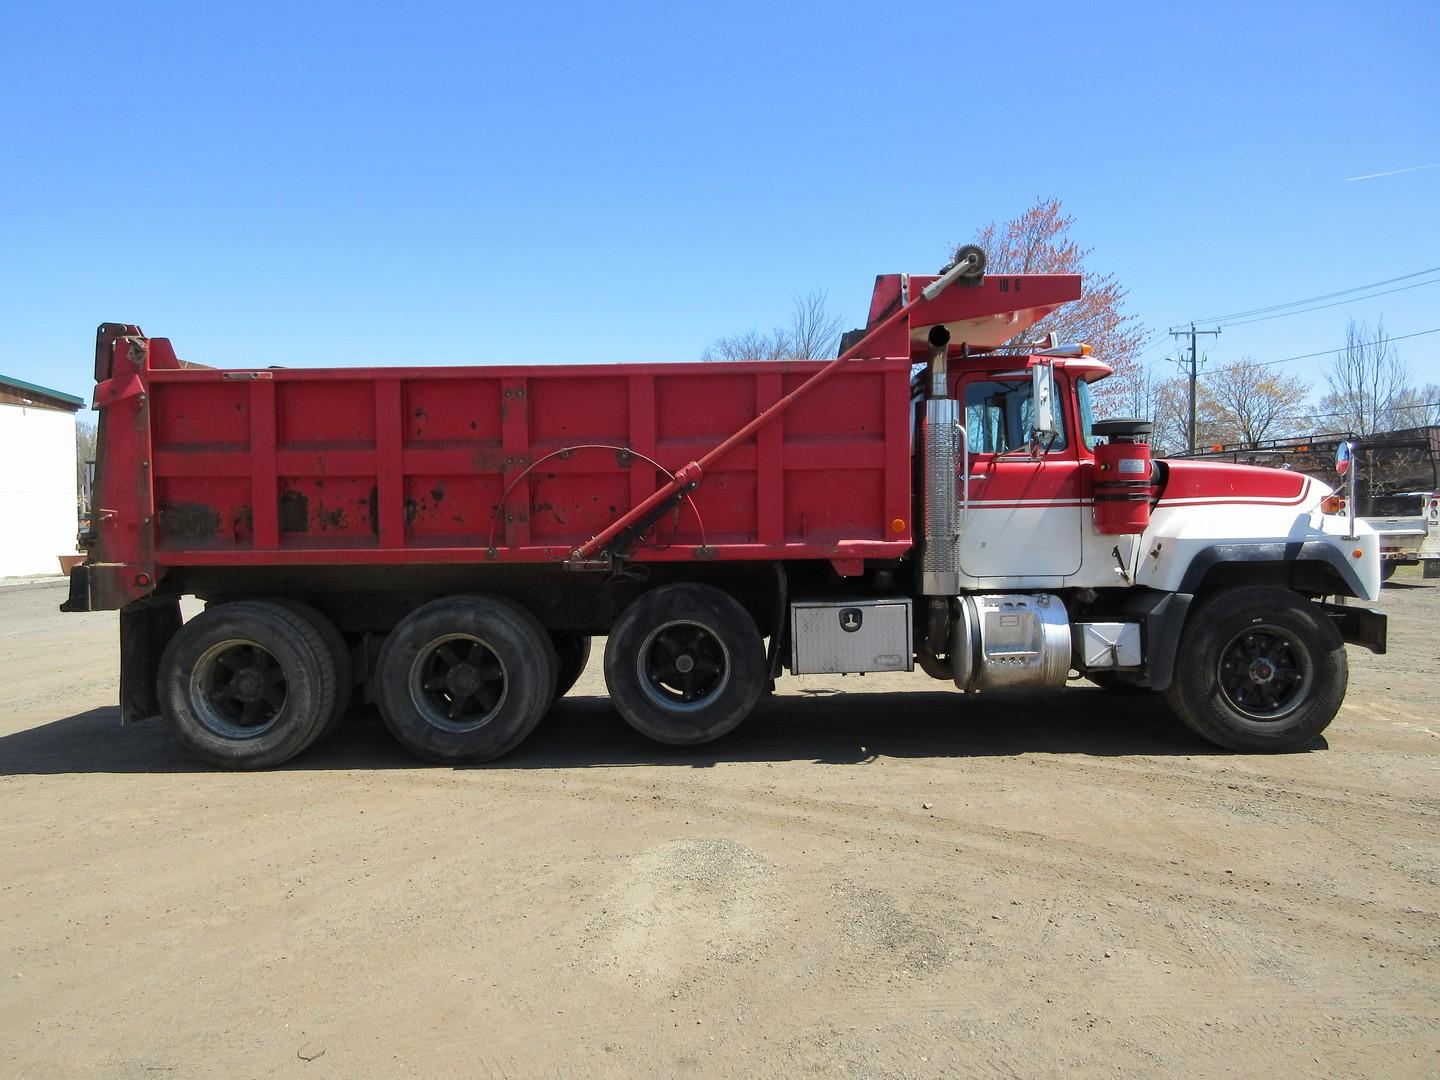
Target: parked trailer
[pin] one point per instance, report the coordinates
(447, 541)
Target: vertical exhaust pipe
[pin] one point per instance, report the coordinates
(939, 366)
(940, 555)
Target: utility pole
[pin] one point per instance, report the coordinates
(1194, 369)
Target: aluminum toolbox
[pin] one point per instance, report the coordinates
(843, 636)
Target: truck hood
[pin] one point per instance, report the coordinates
(1195, 483)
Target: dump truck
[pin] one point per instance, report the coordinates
(446, 541)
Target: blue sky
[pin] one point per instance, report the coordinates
(329, 183)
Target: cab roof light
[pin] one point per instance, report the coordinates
(1079, 348)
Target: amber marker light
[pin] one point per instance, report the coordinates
(1332, 504)
(1357, 553)
(898, 525)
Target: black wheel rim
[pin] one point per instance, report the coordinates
(1264, 672)
(683, 666)
(458, 683)
(238, 689)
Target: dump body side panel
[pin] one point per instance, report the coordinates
(504, 464)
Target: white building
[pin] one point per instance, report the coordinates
(38, 513)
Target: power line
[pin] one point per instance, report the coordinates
(1333, 303)
(1154, 339)
(1316, 299)
(1325, 352)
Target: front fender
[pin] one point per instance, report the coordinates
(1183, 545)
(1291, 551)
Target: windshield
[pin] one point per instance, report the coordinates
(1087, 413)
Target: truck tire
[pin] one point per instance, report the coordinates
(339, 652)
(247, 685)
(1259, 670)
(465, 679)
(1387, 570)
(573, 653)
(684, 664)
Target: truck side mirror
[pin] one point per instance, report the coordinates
(1345, 466)
(1042, 396)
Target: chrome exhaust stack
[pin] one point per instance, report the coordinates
(942, 441)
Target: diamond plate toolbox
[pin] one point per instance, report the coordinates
(831, 637)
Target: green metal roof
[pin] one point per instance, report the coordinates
(43, 391)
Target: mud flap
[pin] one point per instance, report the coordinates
(1163, 617)
(1359, 626)
(79, 598)
(145, 630)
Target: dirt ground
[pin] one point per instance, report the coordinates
(857, 883)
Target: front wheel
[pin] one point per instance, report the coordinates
(1259, 670)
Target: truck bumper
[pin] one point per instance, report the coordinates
(1359, 626)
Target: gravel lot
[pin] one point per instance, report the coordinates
(857, 884)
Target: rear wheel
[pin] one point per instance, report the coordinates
(339, 652)
(573, 653)
(1387, 571)
(465, 679)
(1259, 669)
(247, 685)
(684, 664)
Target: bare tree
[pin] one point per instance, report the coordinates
(813, 333)
(1368, 382)
(751, 345)
(1417, 408)
(1140, 391)
(1039, 242)
(1171, 416)
(1247, 402)
(85, 444)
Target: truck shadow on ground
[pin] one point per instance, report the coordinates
(585, 732)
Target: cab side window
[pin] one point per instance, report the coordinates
(999, 415)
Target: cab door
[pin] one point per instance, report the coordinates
(1024, 517)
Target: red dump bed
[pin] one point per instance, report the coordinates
(409, 464)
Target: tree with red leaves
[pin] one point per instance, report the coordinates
(1039, 242)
